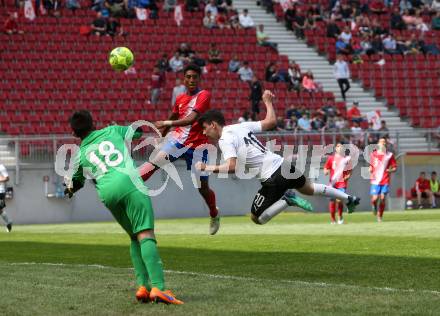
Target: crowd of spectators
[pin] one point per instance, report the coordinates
(220, 17)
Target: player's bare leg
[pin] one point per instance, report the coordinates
(209, 197)
(6, 219)
(419, 199)
(153, 264)
(332, 210)
(150, 167)
(381, 207)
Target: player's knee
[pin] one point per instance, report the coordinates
(146, 234)
(254, 218)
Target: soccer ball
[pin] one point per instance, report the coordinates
(121, 58)
(409, 204)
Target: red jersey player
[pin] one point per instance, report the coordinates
(339, 168)
(187, 133)
(382, 163)
(422, 189)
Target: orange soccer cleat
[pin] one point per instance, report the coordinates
(142, 295)
(166, 297)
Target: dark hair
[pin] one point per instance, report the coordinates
(192, 67)
(212, 116)
(423, 172)
(433, 173)
(81, 123)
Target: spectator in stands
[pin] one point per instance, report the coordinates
(245, 117)
(383, 131)
(342, 75)
(317, 122)
(304, 123)
(156, 85)
(268, 5)
(178, 89)
(292, 124)
(377, 28)
(212, 8)
(409, 19)
(245, 72)
(336, 14)
(310, 22)
(390, 45)
(294, 75)
(196, 60)
(146, 4)
(221, 21)
(289, 16)
(214, 56)
(11, 25)
(118, 8)
(422, 189)
(346, 12)
(372, 135)
(315, 12)
(435, 188)
(342, 47)
(328, 110)
(354, 115)
(192, 5)
(209, 21)
(299, 24)
(99, 25)
(357, 135)
(73, 5)
(224, 6)
(184, 51)
(366, 46)
(308, 82)
(163, 63)
(435, 23)
(404, 6)
(333, 30)
(234, 64)
(377, 44)
(176, 63)
(363, 25)
(330, 125)
(344, 132)
(234, 21)
(281, 124)
(377, 7)
(169, 5)
(396, 21)
(114, 27)
(272, 74)
(245, 20)
(263, 38)
(52, 7)
(255, 96)
(292, 111)
(346, 35)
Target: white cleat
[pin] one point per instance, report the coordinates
(379, 219)
(214, 225)
(333, 223)
(341, 221)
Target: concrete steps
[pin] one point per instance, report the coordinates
(308, 58)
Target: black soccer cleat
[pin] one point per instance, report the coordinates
(9, 227)
(352, 202)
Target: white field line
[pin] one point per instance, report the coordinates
(238, 278)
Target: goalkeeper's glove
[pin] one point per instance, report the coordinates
(70, 190)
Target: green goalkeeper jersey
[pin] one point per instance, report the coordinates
(105, 158)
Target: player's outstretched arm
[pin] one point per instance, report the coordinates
(227, 167)
(4, 179)
(270, 121)
(188, 120)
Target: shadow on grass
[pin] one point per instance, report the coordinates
(353, 269)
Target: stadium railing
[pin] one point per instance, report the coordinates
(27, 150)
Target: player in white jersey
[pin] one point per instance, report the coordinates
(239, 144)
(4, 177)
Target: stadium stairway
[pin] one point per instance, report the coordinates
(308, 58)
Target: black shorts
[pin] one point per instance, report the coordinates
(273, 189)
(2, 201)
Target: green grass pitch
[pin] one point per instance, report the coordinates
(298, 264)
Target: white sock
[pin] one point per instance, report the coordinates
(322, 189)
(5, 217)
(272, 211)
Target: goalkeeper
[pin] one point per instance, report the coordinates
(104, 157)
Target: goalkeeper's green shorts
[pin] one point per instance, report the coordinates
(133, 212)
